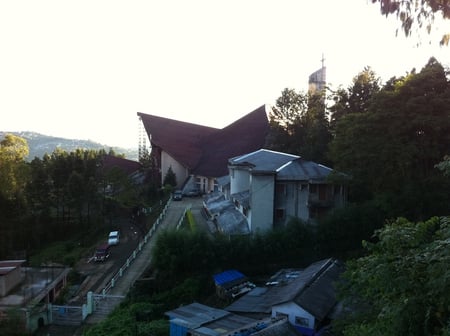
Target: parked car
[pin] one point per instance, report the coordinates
(192, 193)
(177, 195)
(113, 238)
(101, 253)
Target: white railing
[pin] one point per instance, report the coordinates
(180, 221)
(135, 253)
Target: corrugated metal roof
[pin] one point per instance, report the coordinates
(205, 320)
(283, 328)
(242, 197)
(232, 222)
(195, 314)
(313, 289)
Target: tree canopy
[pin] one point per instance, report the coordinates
(401, 286)
(391, 149)
(417, 15)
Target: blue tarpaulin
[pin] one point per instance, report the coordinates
(227, 276)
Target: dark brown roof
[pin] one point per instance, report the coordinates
(127, 166)
(206, 150)
(179, 139)
(245, 135)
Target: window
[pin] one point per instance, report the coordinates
(279, 314)
(279, 213)
(313, 188)
(303, 321)
(281, 189)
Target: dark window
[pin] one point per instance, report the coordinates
(313, 188)
(279, 213)
(303, 321)
(281, 189)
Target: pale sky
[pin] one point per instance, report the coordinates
(83, 69)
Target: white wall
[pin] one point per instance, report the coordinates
(239, 180)
(294, 200)
(292, 310)
(180, 171)
(261, 202)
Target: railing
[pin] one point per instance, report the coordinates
(135, 253)
(180, 221)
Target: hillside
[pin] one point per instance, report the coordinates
(40, 144)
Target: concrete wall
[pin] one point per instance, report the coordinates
(180, 171)
(9, 280)
(239, 180)
(262, 193)
(292, 310)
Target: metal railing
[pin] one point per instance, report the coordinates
(136, 252)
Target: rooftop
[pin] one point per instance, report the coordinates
(205, 150)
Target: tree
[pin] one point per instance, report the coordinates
(358, 96)
(444, 166)
(299, 125)
(170, 178)
(13, 151)
(417, 14)
(391, 150)
(401, 286)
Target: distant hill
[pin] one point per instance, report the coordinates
(40, 144)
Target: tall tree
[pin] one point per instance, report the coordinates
(392, 149)
(299, 125)
(357, 98)
(417, 14)
(13, 151)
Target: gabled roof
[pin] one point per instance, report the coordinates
(300, 169)
(244, 135)
(313, 289)
(263, 160)
(205, 150)
(285, 166)
(127, 166)
(181, 140)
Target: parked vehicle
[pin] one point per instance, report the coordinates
(177, 195)
(101, 253)
(113, 238)
(192, 193)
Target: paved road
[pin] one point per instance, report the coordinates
(100, 273)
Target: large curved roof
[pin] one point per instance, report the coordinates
(206, 150)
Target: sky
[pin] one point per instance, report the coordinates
(83, 69)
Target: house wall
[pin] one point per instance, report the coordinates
(295, 313)
(239, 180)
(180, 171)
(9, 280)
(177, 330)
(262, 189)
(291, 199)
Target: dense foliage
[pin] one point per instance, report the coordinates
(417, 15)
(392, 147)
(401, 287)
(58, 196)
